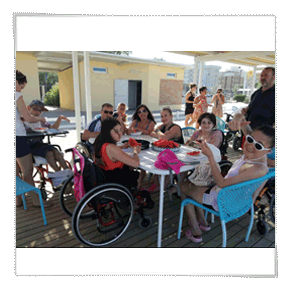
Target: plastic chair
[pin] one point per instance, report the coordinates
(233, 202)
(220, 124)
(23, 187)
(187, 132)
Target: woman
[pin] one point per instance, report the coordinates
(189, 109)
(218, 101)
(252, 165)
(142, 120)
(112, 159)
(206, 133)
(23, 152)
(200, 105)
(168, 130)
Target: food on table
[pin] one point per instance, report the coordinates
(40, 128)
(133, 143)
(163, 143)
(194, 153)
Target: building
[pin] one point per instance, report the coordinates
(113, 79)
(229, 79)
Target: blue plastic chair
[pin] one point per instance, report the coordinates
(23, 187)
(220, 124)
(233, 202)
(187, 132)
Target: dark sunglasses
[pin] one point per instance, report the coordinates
(106, 112)
(258, 146)
(142, 111)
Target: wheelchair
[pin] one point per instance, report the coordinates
(84, 149)
(104, 213)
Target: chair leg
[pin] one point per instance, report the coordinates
(24, 202)
(42, 207)
(180, 221)
(212, 218)
(224, 235)
(251, 223)
(206, 213)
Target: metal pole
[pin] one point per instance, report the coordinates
(88, 87)
(254, 80)
(200, 75)
(76, 94)
(196, 61)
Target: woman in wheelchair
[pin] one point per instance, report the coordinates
(207, 132)
(112, 159)
(252, 165)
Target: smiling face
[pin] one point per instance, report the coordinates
(116, 133)
(142, 113)
(105, 112)
(166, 118)
(206, 125)
(204, 92)
(34, 110)
(250, 150)
(121, 109)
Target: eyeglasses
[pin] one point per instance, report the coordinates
(258, 145)
(142, 111)
(106, 112)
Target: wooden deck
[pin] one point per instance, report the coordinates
(31, 232)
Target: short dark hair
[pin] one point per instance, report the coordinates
(271, 68)
(106, 105)
(20, 78)
(209, 116)
(202, 88)
(269, 132)
(192, 85)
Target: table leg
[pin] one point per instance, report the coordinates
(161, 207)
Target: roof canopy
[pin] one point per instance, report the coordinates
(244, 58)
(61, 60)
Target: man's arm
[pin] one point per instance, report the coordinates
(88, 134)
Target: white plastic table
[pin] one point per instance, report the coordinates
(147, 162)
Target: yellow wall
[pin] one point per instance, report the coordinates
(27, 64)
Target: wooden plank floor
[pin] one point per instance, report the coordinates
(31, 232)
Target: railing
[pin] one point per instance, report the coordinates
(68, 125)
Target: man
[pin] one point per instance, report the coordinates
(94, 127)
(261, 109)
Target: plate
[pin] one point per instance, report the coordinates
(144, 143)
(157, 149)
(136, 133)
(39, 129)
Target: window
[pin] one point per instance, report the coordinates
(171, 75)
(100, 70)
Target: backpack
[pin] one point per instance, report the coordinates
(87, 177)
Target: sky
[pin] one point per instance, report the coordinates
(176, 58)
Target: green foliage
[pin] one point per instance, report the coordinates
(239, 98)
(258, 85)
(236, 87)
(52, 78)
(52, 96)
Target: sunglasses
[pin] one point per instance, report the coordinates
(142, 111)
(106, 112)
(258, 146)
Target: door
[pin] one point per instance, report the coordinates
(134, 94)
(120, 91)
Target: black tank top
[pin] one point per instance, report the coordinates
(179, 140)
(191, 98)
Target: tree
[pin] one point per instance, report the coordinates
(48, 79)
(119, 52)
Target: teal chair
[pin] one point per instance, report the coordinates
(187, 132)
(23, 187)
(220, 124)
(233, 202)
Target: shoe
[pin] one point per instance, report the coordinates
(19, 201)
(46, 204)
(204, 228)
(196, 238)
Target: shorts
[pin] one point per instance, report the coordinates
(40, 149)
(209, 199)
(22, 147)
(189, 110)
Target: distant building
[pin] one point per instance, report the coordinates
(229, 79)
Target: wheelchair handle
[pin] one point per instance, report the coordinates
(68, 150)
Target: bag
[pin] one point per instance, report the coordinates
(202, 175)
(88, 177)
(168, 160)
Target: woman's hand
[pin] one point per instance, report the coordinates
(125, 145)
(206, 150)
(137, 149)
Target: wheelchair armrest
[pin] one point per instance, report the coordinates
(57, 146)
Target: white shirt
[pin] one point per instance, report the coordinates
(20, 130)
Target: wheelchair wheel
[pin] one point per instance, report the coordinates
(84, 150)
(224, 167)
(145, 222)
(272, 208)
(236, 144)
(262, 227)
(113, 210)
(68, 201)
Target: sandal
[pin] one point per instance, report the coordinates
(194, 238)
(204, 228)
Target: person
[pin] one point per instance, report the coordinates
(24, 160)
(45, 150)
(252, 165)
(168, 130)
(189, 109)
(94, 128)
(218, 100)
(142, 120)
(200, 105)
(207, 132)
(261, 109)
(112, 159)
(121, 116)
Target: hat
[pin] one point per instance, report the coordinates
(167, 159)
(38, 103)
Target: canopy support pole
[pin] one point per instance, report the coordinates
(200, 76)
(254, 80)
(196, 61)
(87, 87)
(76, 94)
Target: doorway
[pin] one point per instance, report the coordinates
(134, 94)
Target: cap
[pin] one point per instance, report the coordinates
(38, 103)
